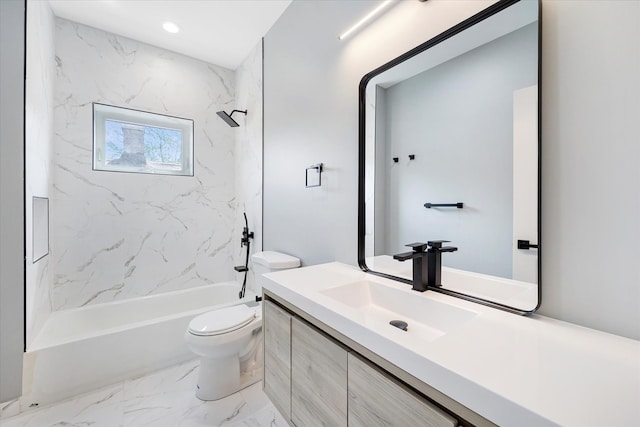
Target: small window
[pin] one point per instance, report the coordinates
(126, 140)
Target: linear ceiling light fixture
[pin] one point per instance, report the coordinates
(366, 19)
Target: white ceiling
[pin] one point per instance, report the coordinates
(220, 32)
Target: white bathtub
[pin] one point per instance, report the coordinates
(86, 348)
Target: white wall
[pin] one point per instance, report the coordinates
(590, 95)
(591, 164)
(12, 51)
(41, 74)
(123, 235)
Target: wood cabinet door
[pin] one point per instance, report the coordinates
(318, 378)
(377, 400)
(277, 357)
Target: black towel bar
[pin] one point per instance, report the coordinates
(458, 205)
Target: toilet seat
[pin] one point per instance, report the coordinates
(222, 321)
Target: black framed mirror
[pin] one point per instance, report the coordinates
(449, 149)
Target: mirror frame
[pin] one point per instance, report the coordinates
(469, 22)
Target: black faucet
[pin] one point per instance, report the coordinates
(434, 257)
(419, 257)
(427, 263)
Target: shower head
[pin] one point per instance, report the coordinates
(227, 117)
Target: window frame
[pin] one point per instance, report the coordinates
(103, 112)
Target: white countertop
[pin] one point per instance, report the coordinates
(512, 370)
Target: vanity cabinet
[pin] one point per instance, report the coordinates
(305, 371)
(277, 356)
(377, 399)
(318, 378)
(315, 378)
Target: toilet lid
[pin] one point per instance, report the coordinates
(222, 320)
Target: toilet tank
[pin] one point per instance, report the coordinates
(270, 261)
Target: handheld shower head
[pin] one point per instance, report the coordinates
(227, 117)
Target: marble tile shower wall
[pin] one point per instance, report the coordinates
(39, 88)
(123, 235)
(248, 161)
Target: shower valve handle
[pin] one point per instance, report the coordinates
(246, 235)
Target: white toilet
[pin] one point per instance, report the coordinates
(229, 340)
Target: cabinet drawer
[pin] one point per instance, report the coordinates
(277, 357)
(318, 378)
(377, 400)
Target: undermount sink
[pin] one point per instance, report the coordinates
(375, 305)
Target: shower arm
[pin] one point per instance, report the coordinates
(238, 111)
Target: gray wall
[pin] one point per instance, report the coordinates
(12, 15)
(310, 116)
(591, 164)
(590, 128)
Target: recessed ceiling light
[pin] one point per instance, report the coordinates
(170, 27)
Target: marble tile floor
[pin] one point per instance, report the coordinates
(165, 399)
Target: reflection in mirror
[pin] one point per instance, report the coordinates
(457, 125)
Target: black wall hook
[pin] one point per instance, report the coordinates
(526, 244)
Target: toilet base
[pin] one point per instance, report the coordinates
(219, 378)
